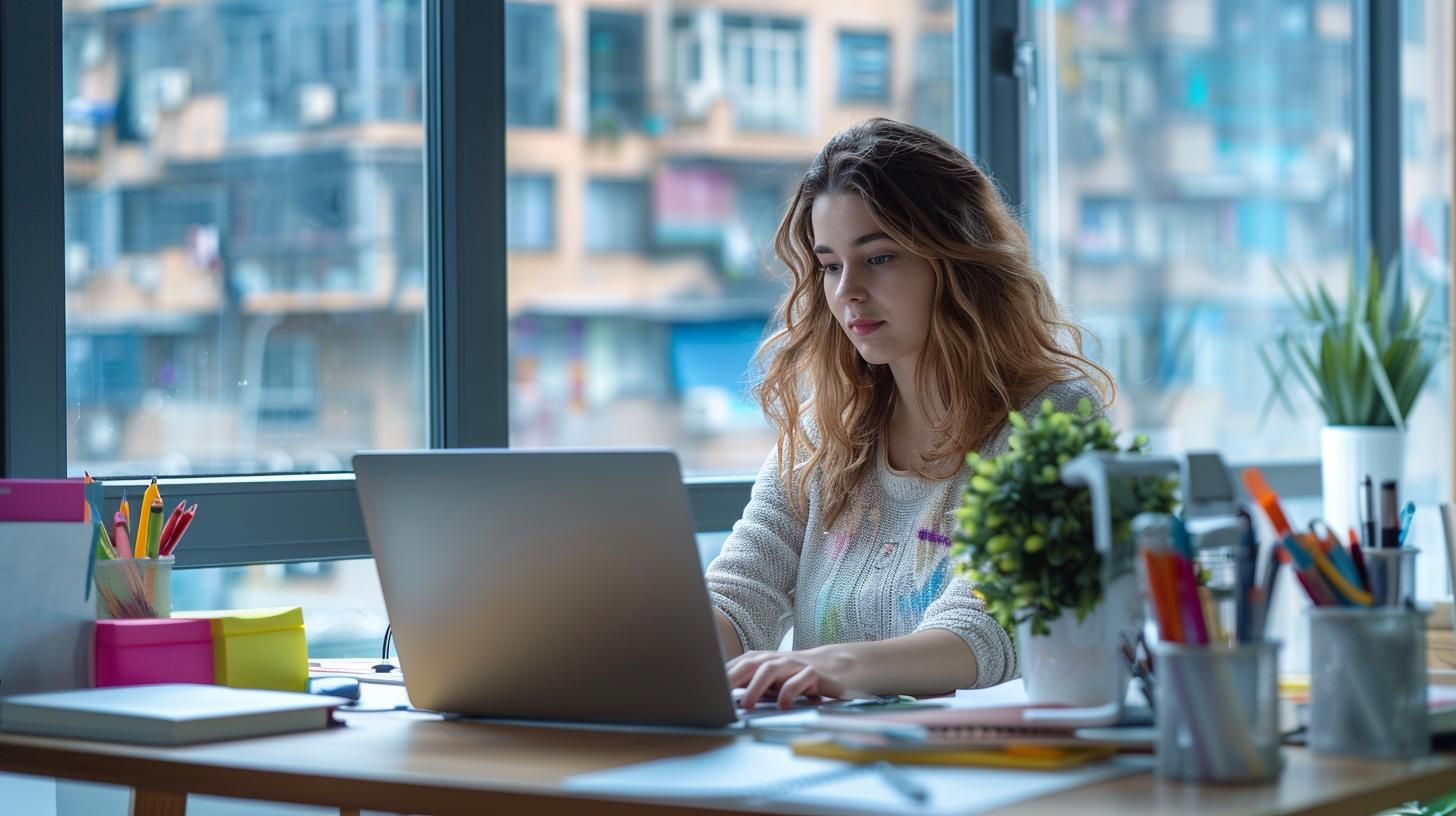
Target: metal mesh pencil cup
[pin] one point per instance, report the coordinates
(134, 587)
(1367, 685)
(1218, 711)
(1392, 574)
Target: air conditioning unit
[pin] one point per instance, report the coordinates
(317, 103)
(170, 87)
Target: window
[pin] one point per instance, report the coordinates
(530, 212)
(1193, 145)
(864, 67)
(933, 103)
(244, 289)
(290, 385)
(764, 68)
(532, 65)
(1425, 229)
(617, 72)
(636, 325)
(616, 216)
(1104, 229)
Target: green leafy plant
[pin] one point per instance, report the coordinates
(1024, 540)
(1363, 363)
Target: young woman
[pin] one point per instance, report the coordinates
(915, 324)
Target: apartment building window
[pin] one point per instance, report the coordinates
(764, 72)
(864, 67)
(616, 215)
(290, 387)
(530, 212)
(532, 65)
(616, 72)
(932, 105)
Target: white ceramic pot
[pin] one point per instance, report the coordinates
(1079, 664)
(1347, 455)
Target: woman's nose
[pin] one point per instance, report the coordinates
(850, 287)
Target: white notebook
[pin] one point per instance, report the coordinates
(164, 714)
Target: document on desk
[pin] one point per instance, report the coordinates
(746, 773)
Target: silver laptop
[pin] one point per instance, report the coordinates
(560, 585)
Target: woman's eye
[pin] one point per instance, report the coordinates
(880, 259)
(830, 269)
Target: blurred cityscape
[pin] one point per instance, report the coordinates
(245, 215)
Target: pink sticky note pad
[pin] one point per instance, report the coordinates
(42, 499)
(147, 651)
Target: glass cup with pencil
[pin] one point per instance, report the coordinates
(134, 572)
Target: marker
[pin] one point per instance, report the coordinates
(1389, 516)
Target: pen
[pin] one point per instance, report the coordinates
(1407, 515)
(154, 529)
(1247, 554)
(144, 522)
(182, 523)
(169, 530)
(119, 537)
(902, 782)
(1367, 512)
(1358, 556)
(1389, 516)
(893, 732)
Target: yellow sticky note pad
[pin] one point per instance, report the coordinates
(258, 648)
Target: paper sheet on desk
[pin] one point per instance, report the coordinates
(747, 772)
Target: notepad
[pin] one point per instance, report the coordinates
(977, 727)
(164, 714)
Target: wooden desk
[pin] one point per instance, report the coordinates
(412, 763)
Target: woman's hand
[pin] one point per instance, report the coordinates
(810, 672)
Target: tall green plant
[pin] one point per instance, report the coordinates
(1363, 363)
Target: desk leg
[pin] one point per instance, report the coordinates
(158, 803)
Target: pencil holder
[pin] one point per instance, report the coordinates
(1367, 688)
(1392, 574)
(1218, 711)
(134, 588)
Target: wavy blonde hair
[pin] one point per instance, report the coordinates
(996, 339)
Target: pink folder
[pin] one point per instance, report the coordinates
(42, 499)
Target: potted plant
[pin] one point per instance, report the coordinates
(1024, 541)
(1364, 364)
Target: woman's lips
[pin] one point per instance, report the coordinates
(864, 327)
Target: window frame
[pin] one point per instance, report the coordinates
(278, 518)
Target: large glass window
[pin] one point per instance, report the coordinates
(244, 234)
(638, 324)
(1425, 179)
(1180, 154)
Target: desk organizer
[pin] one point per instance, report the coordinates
(147, 651)
(1367, 689)
(133, 587)
(1218, 712)
(258, 648)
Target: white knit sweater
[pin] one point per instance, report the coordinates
(881, 571)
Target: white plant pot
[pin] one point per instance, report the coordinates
(1080, 664)
(1347, 455)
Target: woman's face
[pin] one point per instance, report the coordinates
(880, 293)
